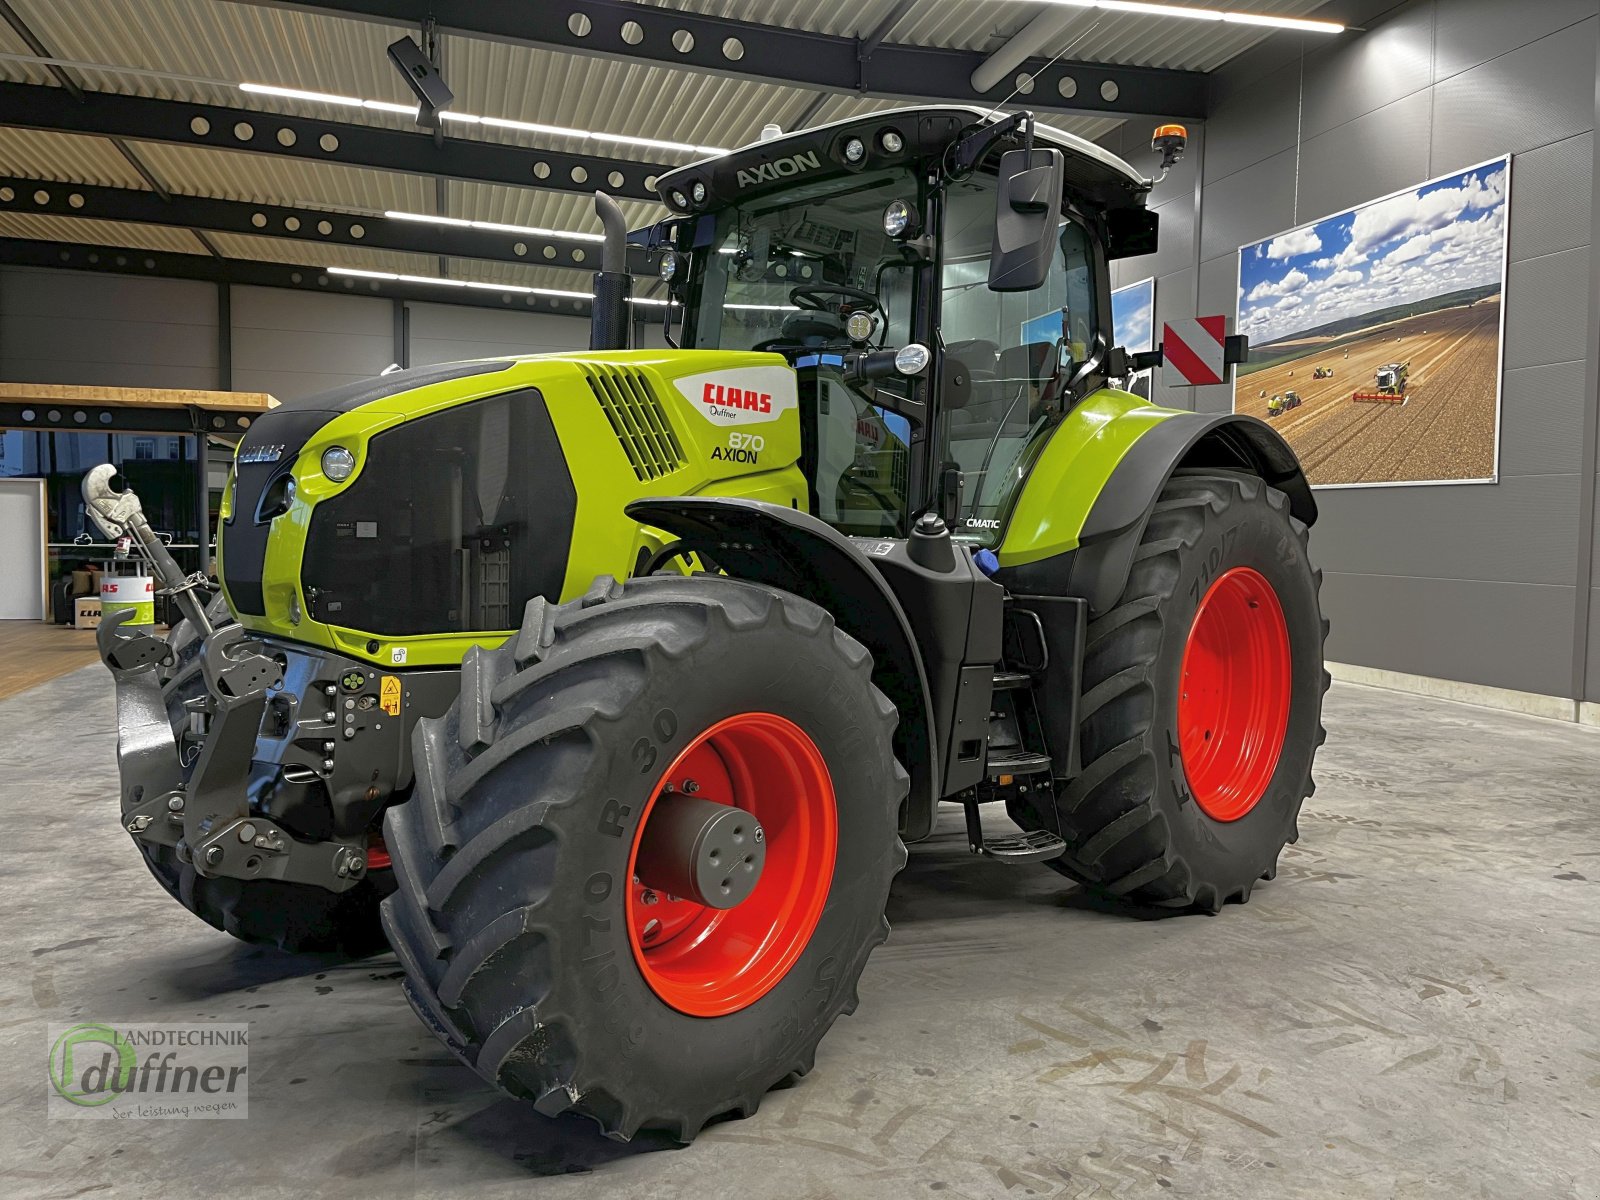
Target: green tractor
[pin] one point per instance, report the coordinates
(607, 688)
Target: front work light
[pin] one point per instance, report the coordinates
(855, 150)
(900, 220)
(338, 463)
(912, 359)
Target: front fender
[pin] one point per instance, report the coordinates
(788, 549)
(1102, 484)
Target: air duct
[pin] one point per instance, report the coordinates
(1033, 38)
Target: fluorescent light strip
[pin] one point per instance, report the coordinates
(1140, 7)
(461, 118)
(494, 226)
(477, 285)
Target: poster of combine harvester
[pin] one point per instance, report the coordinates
(1376, 334)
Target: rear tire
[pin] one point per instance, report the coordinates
(1142, 822)
(295, 917)
(514, 855)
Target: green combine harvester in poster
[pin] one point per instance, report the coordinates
(608, 687)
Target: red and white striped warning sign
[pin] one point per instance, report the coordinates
(1191, 351)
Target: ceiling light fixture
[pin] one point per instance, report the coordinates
(477, 285)
(1140, 7)
(461, 118)
(494, 226)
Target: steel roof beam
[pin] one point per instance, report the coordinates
(640, 32)
(58, 199)
(107, 114)
(77, 256)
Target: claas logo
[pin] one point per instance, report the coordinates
(718, 396)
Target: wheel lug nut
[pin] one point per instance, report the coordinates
(690, 786)
(649, 897)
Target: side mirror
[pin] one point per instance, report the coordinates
(1026, 219)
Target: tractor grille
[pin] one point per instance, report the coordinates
(638, 418)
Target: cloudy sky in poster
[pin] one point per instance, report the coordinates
(1445, 236)
(1133, 315)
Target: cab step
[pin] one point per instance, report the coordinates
(1017, 762)
(1005, 681)
(1034, 846)
(1038, 846)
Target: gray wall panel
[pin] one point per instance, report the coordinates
(1591, 686)
(1474, 31)
(1394, 58)
(1523, 529)
(1373, 155)
(1532, 96)
(447, 333)
(1552, 198)
(1547, 309)
(293, 344)
(106, 330)
(1541, 420)
(1453, 629)
(1248, 205)
(1255, 123)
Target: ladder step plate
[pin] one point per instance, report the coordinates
(1006, 680)
(1017, 762)
(1038, 846)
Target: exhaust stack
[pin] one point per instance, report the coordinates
(608, 328)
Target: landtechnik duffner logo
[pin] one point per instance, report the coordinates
(159, 1072)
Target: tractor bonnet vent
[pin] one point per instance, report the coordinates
(637, 417)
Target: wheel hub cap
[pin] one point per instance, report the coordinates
(731, 864)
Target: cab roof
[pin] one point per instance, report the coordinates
(924, 130)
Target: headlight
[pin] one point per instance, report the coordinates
(699, 191)
(898, 219)
(892, 142)
(668, 268)
(860, 326)
(912, 359)
(338, 463)
(679, 200)
(855, 150)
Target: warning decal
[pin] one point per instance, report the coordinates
(389, 695)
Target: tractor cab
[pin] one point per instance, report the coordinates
(938, 279)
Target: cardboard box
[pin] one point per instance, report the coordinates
(86, 612)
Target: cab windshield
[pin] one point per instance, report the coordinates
(784, 274)
(783, 270)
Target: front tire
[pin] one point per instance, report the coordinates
(1202, 702)
(523, 917)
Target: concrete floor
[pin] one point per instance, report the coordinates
(1410, 1010)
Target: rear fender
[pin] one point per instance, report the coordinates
(788, 549)
(1097, 569)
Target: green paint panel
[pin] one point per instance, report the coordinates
(1071, 471)
(705, 422)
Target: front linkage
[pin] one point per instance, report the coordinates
(205, 815)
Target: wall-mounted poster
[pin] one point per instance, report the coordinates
(1133, 324)
(1376, 334)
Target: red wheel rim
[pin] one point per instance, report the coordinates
(1233, 709)
(709, 962)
